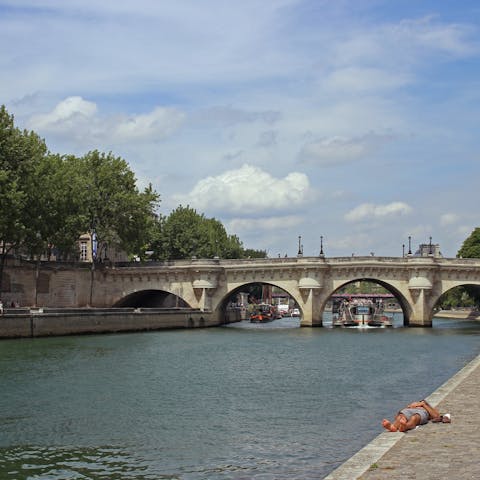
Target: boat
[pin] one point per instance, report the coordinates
(262, 313)
(283, 309)
(360, 313)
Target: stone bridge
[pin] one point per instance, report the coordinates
(416, 282)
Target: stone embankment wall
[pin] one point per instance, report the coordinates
(52, 285)
(465, 313)
(18, 323)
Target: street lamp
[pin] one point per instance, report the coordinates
(299, 245)
(409, 245)
(321, 246)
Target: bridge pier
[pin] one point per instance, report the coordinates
(421, 314)
(420, 287)
(311, 312)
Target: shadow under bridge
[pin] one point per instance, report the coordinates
(152, 299)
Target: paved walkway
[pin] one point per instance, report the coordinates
(437, 451)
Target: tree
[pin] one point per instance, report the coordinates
(20, 153)
(118, 213)
(56, 211)
(252, 253)
(186, 233)
(471, 246)
(181, 235)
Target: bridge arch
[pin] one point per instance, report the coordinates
(151, 298)
(399, 296)
(223, 302)
(451, 286)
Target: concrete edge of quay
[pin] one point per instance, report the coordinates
(47, 322)
(360, 462)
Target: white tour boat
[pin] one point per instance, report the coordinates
(360, 313)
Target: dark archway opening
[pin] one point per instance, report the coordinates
(152, 299)
(245, 303)
(387, 307)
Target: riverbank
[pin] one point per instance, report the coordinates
(460, 314)
(45, 322)
(433, 451)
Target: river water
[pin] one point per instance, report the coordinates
(245, 401)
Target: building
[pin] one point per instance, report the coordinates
(428, 250)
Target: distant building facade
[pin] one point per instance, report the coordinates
(428, 250)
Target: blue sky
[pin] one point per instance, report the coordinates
(355, 120)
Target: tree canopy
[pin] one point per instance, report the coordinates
(48, 201)
(471, 246)
(185, 233)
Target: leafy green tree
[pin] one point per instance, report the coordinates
(56, 211)
(252, 253)
(114, 208)
(20, 153)
(471, 246)
(182, 235)
(186, 233)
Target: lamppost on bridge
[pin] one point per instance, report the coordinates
(409, 245)
(321, 246)
(300, 246)
(403, 250)
(430, 251)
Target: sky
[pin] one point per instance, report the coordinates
(351, 123)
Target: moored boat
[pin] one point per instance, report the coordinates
(262, 313)
(361, 313)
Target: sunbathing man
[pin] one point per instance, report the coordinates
(416, 413)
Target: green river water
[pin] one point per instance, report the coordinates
(240, 402)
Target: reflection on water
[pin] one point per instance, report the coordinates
(72, 463)
(245, 401)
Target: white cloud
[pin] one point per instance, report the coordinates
(248, 190)
(449, 219)
(335, 150)
(158, 124)
(424, 32)
(191, 94)
(79, 119)
(65, 114)
(368, 211)
(242, 225)
(399, 46)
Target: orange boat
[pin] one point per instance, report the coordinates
(263, 313)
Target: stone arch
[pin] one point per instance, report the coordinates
(450, 285)
(151, 298)
(396, 292)
(220, 304)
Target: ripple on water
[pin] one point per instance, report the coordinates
(241, 402)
